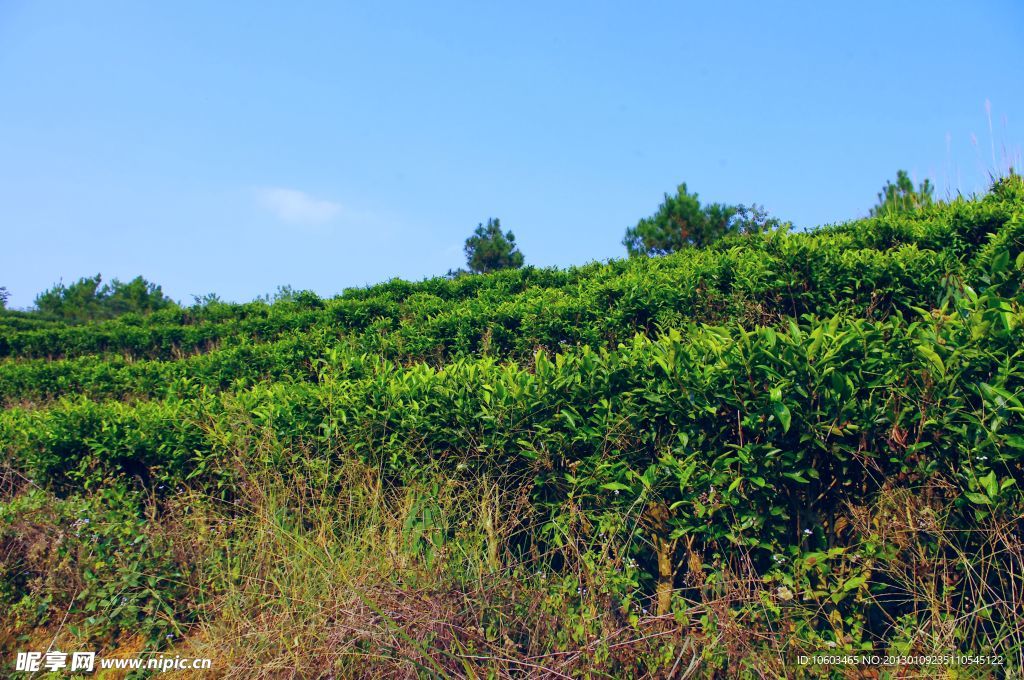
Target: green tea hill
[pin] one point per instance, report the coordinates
(716, 460)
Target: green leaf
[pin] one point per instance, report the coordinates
(928, 353)
(817, 335)
(783, 415)
(686, 473)
(991, 484)
(854, 583)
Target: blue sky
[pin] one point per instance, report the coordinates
(235, 147)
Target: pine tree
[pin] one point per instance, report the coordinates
(488, 249)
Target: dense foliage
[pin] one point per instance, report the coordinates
(87, 300)
(835, 416)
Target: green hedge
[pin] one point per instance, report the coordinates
(819, 413)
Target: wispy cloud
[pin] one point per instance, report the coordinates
(297, 207)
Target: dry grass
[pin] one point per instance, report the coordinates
(354, 578)
(359, 580)
(954, 590)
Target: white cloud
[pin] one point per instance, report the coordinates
(297, 207)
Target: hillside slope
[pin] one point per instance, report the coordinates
(784, 444)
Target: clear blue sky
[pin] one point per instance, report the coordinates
(234, 147)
